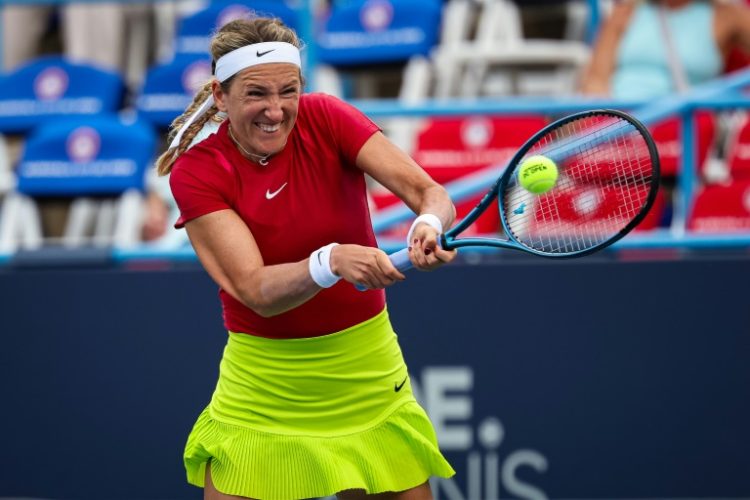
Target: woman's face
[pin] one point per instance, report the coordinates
(262, 105)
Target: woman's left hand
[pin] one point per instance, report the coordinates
(424, 250)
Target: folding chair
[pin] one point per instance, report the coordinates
(169, 88)
(99, 163)
(52, 87)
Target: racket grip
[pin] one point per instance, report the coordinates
(400, 261)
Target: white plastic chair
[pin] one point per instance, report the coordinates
(82, 160)
(499, 49)
(90, 221)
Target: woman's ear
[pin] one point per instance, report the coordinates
(219, 96)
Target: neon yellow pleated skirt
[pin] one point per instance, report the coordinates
(305, 418)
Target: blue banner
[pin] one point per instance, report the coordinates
(378, 31)
(194, 32)
(544, 379)
(88, 156)
(51, 87)
(169, 88)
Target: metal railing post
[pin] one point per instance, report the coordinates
(687, 171)
(306, 16)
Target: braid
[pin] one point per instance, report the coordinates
(167, 159)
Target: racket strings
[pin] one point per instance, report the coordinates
(605, 174)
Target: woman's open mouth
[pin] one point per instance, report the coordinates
(267, 127)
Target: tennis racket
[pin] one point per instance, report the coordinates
(608, 177)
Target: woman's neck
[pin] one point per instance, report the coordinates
(257, 158)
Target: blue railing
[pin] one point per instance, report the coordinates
(720, 94)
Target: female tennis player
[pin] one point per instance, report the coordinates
(313, 397)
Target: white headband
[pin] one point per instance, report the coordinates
(235, 61)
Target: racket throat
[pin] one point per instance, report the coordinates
(444, 243)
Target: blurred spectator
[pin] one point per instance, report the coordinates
(647, 49)
(159, 208)
(98, 33)
(738, 57)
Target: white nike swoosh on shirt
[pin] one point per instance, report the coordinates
(270, 195)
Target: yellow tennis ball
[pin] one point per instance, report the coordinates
(537, 174)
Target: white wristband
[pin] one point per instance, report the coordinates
(429, 219)
(320, 267)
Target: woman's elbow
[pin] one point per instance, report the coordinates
(266, 312)
(249, 294)
(258, 306)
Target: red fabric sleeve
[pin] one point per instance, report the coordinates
(200, 185)
(348, 126)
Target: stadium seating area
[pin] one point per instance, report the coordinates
(90, 138)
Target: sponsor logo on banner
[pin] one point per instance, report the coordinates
(195, 75)
(476, 132)
(376, 18)
(83, 145)
(741, 151)
(50, 84)
(199, 44)
(452, 158)
(671, 149)
(77, 106)
(376, 15)
(164, 102)
(49, 87)
(587, 202)
(491, 471)
(232, 13)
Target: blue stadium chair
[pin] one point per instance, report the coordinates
(379, 31)
(194, 32)
(100, 163)
(169, 88)
(51, 87)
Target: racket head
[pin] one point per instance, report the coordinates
(608, 178)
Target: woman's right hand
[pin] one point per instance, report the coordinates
(365, 266)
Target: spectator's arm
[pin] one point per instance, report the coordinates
(595, 79)
(738, 17)
(156, 217)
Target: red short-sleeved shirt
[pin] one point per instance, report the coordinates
(309, 195)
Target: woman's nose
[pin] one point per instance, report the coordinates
(273, 108)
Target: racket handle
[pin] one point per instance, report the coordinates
(400, 261)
